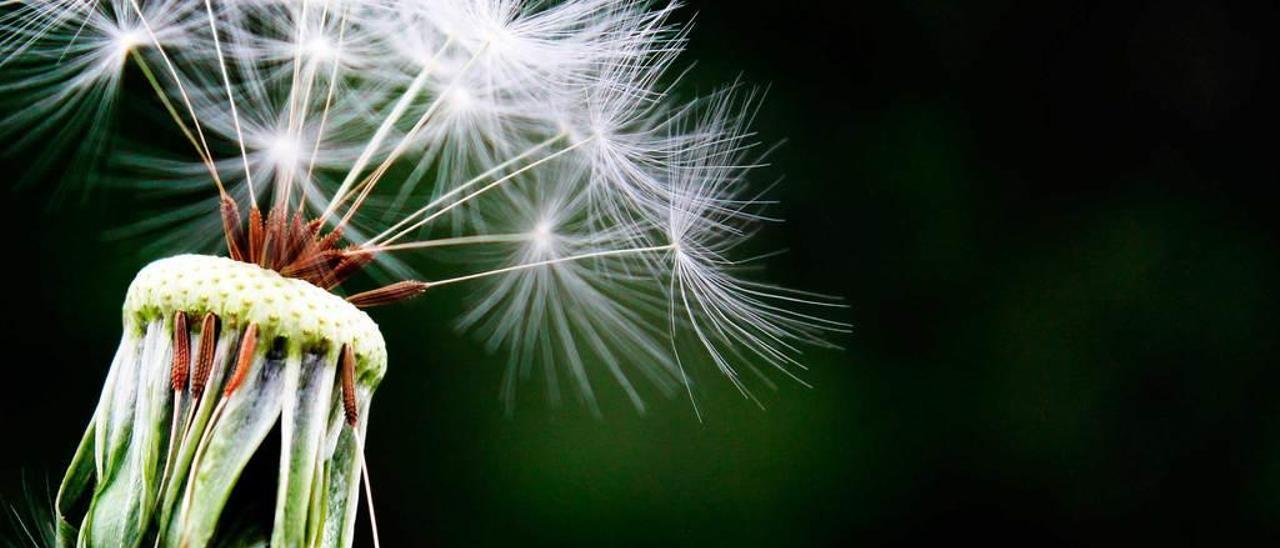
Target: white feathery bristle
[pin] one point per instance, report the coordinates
(605, 313)
(64, 60)
(711, 213)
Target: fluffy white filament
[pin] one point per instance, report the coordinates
(544, 137)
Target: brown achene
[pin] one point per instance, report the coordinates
(298, 248)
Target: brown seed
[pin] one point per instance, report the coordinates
(330, 240)
(256, 235)
(313, 226)
(348, 370)
(353, 260)
(388, 294)
(204, 362)
(231, 228)
(274, 243)
(295, 238)
(181, 352)
(244, 359)
(314, 265)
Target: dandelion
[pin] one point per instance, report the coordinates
(600, 221)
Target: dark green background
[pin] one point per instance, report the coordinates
(1051, 223)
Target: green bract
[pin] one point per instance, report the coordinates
(157, 465)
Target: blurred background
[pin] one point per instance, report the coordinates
(1049, 220)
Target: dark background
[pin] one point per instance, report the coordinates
(1051, 221)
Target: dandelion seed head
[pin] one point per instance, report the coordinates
(606, 216)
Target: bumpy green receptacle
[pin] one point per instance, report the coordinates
(156, 467)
